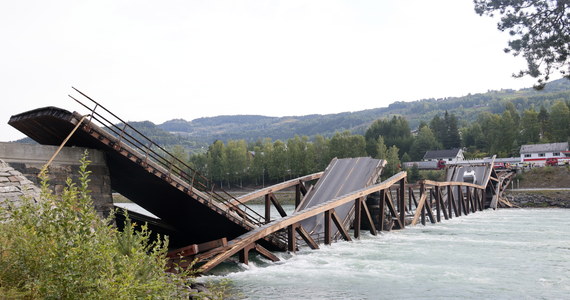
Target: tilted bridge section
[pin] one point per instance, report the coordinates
(209, 225)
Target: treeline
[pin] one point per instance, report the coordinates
(266, 161)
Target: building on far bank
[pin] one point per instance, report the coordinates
(537, 154)
(455, 154)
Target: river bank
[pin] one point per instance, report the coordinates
(540, 198)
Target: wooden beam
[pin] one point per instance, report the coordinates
(328, 236)
(244, 253)
(393, 211)
(436, 193)
(369, 218)
(450, 201)
(277, 205)
(274, 188)
(429, 212)
(267, 209)
(291, 238)
(443, 204)
(357, 217)
(338, 224)
(307, 237)
(212, 244)
(382, 216)
(419, 208)
(402, 202)
(298, 194)
(266, 253)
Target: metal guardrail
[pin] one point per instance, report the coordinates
(150, 150)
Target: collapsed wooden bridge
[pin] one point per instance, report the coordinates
(209, 225)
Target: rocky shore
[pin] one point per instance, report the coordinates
(534, 199)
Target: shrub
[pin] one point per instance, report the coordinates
(59, 248)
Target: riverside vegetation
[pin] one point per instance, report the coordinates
(60, 248)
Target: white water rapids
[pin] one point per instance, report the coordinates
(502, 254)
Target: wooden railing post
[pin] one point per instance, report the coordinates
(382, 216)
(423, 208)
(437, 204)
(449, 201)
(357, 217)
(328, 235)
(402, 202)
(291, 238)
(297, 194)
(267, 209)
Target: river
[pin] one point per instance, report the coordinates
(502, 254)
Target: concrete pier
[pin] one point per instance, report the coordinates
(28, 159)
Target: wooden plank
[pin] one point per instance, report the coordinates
(212, 244)
(183, 252)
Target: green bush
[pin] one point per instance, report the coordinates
(59, 248)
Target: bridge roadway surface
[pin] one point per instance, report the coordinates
(192, 218)
(341, 177)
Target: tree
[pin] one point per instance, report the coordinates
(217, 161)
(530, 127)
(446, 130)
(539, 31)
(343, 145)
(396, 131)
(424, 141)
(559, 122)
(236, 160)
(393, 162)
(543, 119)
(381, 149)
(278, 166)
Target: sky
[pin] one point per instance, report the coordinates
(161, 60)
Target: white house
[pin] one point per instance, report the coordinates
(455, 154)
(538, 153)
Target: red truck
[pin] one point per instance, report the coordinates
(552, 161)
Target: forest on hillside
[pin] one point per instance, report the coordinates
(265, 161)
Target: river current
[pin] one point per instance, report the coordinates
(502, 254)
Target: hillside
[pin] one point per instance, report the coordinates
(204, 131)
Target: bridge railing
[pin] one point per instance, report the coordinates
(150, 150)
